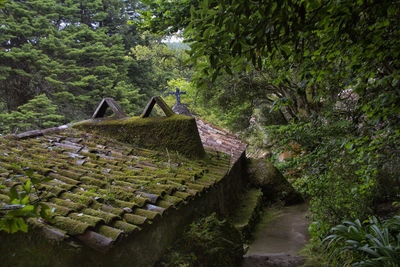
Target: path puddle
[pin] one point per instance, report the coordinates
(284, 232)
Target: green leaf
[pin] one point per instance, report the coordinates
(13, 194)
(29, 173)
(27, 186)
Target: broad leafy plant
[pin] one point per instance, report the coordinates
(371, 244)
(25, 201)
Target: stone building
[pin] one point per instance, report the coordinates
(120, 189)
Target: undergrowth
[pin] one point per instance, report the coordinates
(206, 242)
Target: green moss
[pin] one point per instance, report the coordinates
(90, 165)
(66, 187)
(59, 210)
(126, 227)
(99, 175)
(122, 193)
(94, 182)
(140, 201)
(90, 155)
(164, 204)
(147, 213)
(247, 211)
(135, 219)
(154, 190)
(122, 184)
(196, 187)
(123, 204)
(4, 198)
(71, 226)
(64, 179)
(69, 204)
(90, 220)
(70, 174)
(109, 232)
(106, 216)
(77, 198)
(174, 200)
(177, 133)
(108, 208)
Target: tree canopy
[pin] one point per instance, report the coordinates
(351, 43)
(330, 67)
(75, 52)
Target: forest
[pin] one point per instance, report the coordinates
(319, 79)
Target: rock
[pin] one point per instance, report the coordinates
(181, 109)
(263, 174)
(272, 118)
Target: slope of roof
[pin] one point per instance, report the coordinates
(103, 190)
(213, 137)
(218, 139)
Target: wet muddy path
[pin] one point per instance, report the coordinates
(279, 237)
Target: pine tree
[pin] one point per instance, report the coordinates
(73, 49)
(38, 113)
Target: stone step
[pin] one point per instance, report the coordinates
(247, 212)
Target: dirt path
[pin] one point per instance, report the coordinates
(279, 238)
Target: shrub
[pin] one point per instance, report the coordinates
(372, 244)
(207, 242)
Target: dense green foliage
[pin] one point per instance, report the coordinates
(373, 244)
(24, 203)
(329, 70)
(38, 113)
(207, 242)
(74, 52)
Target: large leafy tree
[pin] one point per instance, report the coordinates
(334, 65)
(73, 51)
(353, 42)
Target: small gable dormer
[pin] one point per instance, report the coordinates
(106, 103)
(161, 103)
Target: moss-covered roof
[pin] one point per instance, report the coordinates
(103, 190)
(174, 132)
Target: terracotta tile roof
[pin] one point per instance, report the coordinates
(213, 137)
(218, 139)
(103, 190)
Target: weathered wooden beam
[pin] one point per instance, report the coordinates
(161, 103)
(108, 103)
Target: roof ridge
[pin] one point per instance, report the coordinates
(35, 133)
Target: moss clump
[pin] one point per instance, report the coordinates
(110, 232)
(106, 216)
(135, 219)
(275, 187)
(177, 133)
(147, 213)
(207, 242)
(247, 212)
(68, 204)
(90, 220)
(126, 227)
(77, 198)
(70, 226)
